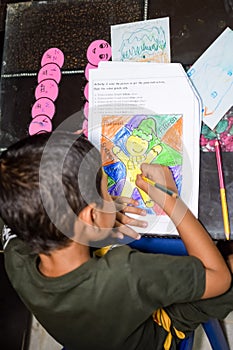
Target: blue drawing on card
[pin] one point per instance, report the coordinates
(212, 76)
(143, 43)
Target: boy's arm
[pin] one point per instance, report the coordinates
(196, 239)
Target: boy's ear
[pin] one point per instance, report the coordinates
(88, 215)
(86, 225)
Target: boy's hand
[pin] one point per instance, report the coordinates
(157, 173)
(126, 205)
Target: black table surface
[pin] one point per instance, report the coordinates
(210, 210)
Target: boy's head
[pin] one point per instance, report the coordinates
(46, 181)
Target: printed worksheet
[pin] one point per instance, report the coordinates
(147, 41)
(152, 116)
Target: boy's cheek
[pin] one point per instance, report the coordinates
(110, 220)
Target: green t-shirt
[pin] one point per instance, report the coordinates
(107, 302)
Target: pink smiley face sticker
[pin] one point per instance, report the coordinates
(53, 55)
(47, 88)
(49, 71)
(43, 106)
(98, 50)
(40, 124)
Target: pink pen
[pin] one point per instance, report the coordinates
(222, 192)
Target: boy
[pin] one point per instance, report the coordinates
(54, 199)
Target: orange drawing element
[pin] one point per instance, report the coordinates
(206, 113)
(173, 136)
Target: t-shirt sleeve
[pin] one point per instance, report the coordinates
(160, 280)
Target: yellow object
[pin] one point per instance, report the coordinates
(225, 213)
(102, 251)
(161, 187)
(150, 182)
(162, 319)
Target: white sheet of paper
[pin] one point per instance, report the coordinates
(115, 89)
(163, 71)
(142, 41)
(212, 76)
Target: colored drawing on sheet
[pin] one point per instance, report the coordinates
(129, 141)
(147, 41)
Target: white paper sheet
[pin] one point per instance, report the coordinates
(212, 76)
(123, 89)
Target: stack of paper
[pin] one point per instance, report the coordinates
(146, 112)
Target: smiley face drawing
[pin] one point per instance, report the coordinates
(138, 147)
(98, 50)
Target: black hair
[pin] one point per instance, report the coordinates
(36, 175)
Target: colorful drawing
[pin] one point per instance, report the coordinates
(127, 142)
(141, 41)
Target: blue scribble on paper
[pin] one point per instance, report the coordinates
(141, 41)
(143, 44)
(212, 77)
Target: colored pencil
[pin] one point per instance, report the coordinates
(222, 191)
(161, 187)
